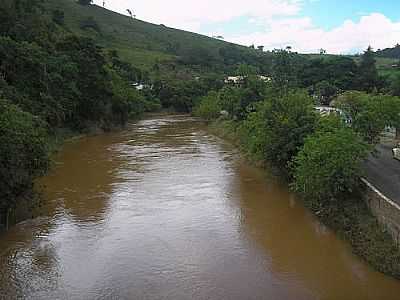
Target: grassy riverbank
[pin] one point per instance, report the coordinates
(350, 219)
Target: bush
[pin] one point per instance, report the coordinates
(279, 126)
(209, 107)
(24, 152)
(370, 113)
(328, 166)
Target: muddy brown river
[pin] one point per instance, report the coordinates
(165, 210)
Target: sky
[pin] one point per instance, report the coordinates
(338, 26)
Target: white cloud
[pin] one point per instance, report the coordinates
(300, 33)
(279, 19)
(190, 14)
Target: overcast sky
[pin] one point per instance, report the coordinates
(341, 26)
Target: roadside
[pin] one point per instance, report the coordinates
(383, 171)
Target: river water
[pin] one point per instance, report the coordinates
(164, 210)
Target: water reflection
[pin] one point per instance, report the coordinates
(163, 210)
(301, 249)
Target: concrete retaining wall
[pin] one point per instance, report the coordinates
(385, 210)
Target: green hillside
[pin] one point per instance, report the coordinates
(390, 52)
(141, 43)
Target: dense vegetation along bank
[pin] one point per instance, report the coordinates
(320, 156)
(79, 68)
(52, 81)
(348, 215)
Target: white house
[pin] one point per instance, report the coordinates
(264, 78)
(140, 86)
(234, 79)
(240, 79)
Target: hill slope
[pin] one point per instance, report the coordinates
(142, 43)
(390, 52)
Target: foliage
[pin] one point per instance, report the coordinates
(368, 78)
(390, 52)
(238, 102)
(395, 86)
(209, 107)
(352, 220)
(370, 113)
(24, 152)
(339, 71)
(233, 101)
(90, 23)
(127, 102)
(325, 91)
(279, 126)
(178, 94)
(328, 166)
(246, 70)
(285, 68)
(53, 79)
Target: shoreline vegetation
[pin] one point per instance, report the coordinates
(70, 68)
(351, 220)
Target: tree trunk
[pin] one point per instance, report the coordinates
(397, 133)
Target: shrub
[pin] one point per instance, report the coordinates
(328, 166)
(279, 126)
(24, 152)
(209, 107)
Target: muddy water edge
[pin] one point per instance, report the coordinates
(165, 210)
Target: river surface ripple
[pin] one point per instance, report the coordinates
(165, 210)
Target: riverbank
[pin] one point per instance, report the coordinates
(350, 219)
(28, 204)
(209, 218)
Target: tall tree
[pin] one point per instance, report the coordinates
(368, 78)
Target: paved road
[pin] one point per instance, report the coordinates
(383, 171)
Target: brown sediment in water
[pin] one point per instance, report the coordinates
(164, 210)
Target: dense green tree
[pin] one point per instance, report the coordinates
(285, 68)
(325, 91)
(209, 107)
(93, 84)
(337, 71)
(231, 99)
(246, 70)
(368, 78)
(24, 152)
(370, 113)
(180, 95)
(198, 56)
(278, 128)
(395, 86)
(328, 165)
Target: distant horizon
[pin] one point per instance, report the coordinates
(305, 25)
